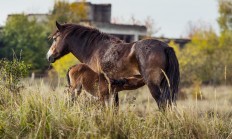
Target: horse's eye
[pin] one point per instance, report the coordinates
(54, 39)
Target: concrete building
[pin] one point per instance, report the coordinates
(99, 16)
(38, 17)
(180, 41)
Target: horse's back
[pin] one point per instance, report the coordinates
(151, 44)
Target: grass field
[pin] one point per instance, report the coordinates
(40, 111)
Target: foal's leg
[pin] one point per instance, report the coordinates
(104, 99)
(76, 91)
(116, 100)
(112, 102)
(107, 99)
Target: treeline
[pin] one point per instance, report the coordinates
(208, 58)
(27, 38)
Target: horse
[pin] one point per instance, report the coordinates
(98, 84)
(150, 59)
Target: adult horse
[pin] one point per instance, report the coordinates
(150, 59)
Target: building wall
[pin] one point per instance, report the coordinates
(128, 32)
(38, 17)
(98, 12)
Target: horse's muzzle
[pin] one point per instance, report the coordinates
(50, 56)
(51, 59)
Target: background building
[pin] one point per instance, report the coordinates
(99, 16)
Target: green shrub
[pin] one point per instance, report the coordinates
(11, 72)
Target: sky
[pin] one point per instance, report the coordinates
(171, 16)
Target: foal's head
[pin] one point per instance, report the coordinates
(59, 46)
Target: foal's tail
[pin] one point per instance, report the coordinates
(67, 76)
(169, 84)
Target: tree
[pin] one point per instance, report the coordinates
(225, 18)
(207, 58)
(200, 60)
(65, 12)
(225, 39)
(27, 39)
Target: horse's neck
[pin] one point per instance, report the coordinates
(77, 50)
(83, 52)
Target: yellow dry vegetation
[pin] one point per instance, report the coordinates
(62, 65)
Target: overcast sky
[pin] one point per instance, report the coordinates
(172, 16)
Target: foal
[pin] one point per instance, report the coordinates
(82, 76)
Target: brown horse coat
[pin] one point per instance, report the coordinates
(150, 59)
(82, 76)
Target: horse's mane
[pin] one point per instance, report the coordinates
(88, 34)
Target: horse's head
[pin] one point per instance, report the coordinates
(59, 46)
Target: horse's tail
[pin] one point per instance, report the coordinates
(169, 84)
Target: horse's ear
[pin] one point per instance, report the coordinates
(59, 26)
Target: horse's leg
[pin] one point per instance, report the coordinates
(151, 61)
(155, 92)
(152, 75)
(153, 79)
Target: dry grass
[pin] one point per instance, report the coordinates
(40, 111)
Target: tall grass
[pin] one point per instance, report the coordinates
(41, 112)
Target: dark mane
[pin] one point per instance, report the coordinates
(88, 34)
